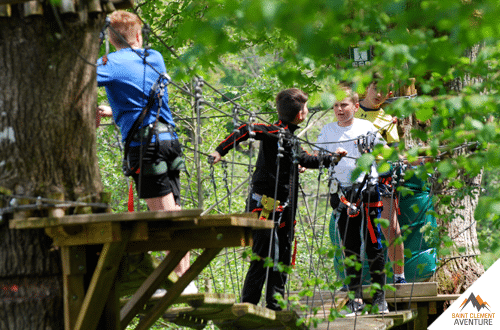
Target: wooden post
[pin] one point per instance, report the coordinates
(124, 4)
(67, 7)
(74, 264)
(5, 11)
(33, 8)
(56, 212)
(94, 6)
(99, 289)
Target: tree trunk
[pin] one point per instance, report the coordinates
(457, 271)
(461, 269)
(47, 145)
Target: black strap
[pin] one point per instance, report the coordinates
(128, 170)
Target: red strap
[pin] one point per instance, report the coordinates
(283, 224)
(294, 255)
(346, 202)
(375, 204)
(370, 226)
(131, 197)
(397, 205)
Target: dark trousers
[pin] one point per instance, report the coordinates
(263, 240)
(349, 230)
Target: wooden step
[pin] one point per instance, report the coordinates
(359, 323)
(368, 321)
(222, 310)
(403, 291)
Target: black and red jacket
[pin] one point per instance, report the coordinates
(264, 176)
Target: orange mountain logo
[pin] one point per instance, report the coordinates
(476, 302)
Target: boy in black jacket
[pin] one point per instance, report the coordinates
(274, 185)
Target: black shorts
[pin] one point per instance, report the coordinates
(158, 185)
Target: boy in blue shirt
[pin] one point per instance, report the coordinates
(128, 74)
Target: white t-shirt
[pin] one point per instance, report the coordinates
(333, 136)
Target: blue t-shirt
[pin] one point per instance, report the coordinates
(128, 81)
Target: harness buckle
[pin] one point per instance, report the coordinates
(268, 205)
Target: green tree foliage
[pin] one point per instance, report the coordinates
(248, 50)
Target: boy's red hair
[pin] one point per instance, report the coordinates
(127, 25)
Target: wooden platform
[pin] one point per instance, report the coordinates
(419, 298)
(120, 233)
(368, 322)
(402, 292)
(359, 323)
(97, 306)
(224, 312)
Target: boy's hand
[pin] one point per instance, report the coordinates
(341, 152)
(214, 157)
(104, 111)
(338, 154)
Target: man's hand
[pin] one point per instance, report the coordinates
(214, 157)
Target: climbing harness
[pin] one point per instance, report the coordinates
(145, 134)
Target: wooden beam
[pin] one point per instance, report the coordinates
(193, 239)
(11, 2)
(71, 220)
(5, 10)
(358, 323)
(124, 4)
(98, 291)
(146, 290)
(175, 291)
(97, 233)
(74, 264)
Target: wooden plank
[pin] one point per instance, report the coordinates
(99, 288)
(201, 262)
(228, 316)
(403, 293)
(110, 319)
(73, 297)
(432, 308)
(193, 239)
(203, 307)
(439, 297)
(71, 220)
(249, 316)
(246, 316)
(32, 8)
(358, 323)
(5, 2)
(96, 233)
(399, 318)
(417, 289)
(139, 299)
(124, 4)
(73, 260)
(420, 321)
(5, 10)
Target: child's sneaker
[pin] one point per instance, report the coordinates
(380, 302)
(190, 289)
(352, 308)
(400, 280)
